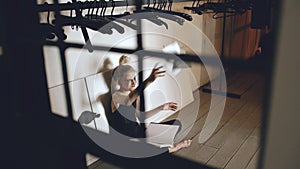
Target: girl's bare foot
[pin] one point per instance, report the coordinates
(180, 145)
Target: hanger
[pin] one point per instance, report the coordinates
(154, 16)
(114, 25)
(233, 7)
(49, 31)
(105, 21)
(83, 22)
(112, 17)
(207, 7)
(196, 7)
(240, 7)
(61, 20)
(125, 16)
(161, 8)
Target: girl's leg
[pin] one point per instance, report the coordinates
(181, 144)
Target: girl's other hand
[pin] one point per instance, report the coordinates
(170, 106)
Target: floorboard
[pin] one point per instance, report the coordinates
(234, 140)
(254, 160)
(244, 154)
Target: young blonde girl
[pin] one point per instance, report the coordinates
(125, 103)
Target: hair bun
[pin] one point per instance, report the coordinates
(123, 60)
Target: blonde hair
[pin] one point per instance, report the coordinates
(120, 70)
(124, 60)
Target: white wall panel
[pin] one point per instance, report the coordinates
(58, 101)
(80, 100)
(53, 66)
(98, 86)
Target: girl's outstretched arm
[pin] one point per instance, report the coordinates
(156, 72)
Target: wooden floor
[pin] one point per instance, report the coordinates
(235, 142)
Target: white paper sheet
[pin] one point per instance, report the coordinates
(161, 135)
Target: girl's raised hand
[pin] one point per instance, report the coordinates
(156, 72)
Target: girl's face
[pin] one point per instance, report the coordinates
(127, 82)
